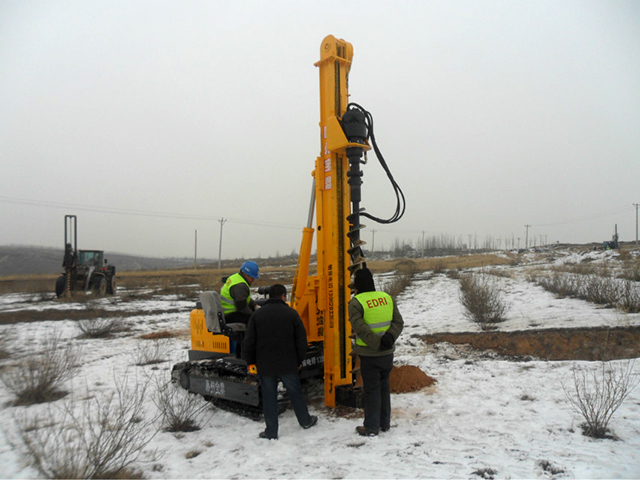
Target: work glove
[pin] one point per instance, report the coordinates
(386, 342)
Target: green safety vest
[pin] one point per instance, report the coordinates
(378, 312)
(228, 304)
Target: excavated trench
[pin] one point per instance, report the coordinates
(597, 343)
(591, 344)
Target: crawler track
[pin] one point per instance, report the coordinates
(226, 384)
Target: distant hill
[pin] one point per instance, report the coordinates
(21, 260)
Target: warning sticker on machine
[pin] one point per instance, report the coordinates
(327, 182)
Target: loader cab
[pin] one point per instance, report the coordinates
(90, 258)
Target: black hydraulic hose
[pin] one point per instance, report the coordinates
(400, 200)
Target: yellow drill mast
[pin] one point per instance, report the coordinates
(321, 300)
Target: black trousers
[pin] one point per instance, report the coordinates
(291, 382)
(375, 373)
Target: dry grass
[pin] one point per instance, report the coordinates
(29, 284)
(440, 263)
(183, 282)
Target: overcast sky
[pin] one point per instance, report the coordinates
(150, 120)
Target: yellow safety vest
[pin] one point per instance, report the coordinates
(228, 304)
(378, 312)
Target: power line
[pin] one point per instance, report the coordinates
(604, 213)
(140, 213)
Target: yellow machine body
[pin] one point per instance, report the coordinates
(202, 339)
(322, 300)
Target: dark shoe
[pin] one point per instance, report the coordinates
(313, 421)
(365, 432)
(264, 435)
(385, 428)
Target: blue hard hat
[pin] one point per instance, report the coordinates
(250, 268)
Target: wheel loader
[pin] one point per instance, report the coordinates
(84, 270)
(214, 367)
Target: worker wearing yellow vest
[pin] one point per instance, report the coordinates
(236, 294)
(377, 323)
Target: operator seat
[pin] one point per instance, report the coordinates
(214, 319)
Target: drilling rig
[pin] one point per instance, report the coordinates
(321, 300)
(84, 270)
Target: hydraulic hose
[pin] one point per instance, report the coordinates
(400, 199)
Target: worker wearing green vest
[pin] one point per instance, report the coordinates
(377, 323)
(235, 295)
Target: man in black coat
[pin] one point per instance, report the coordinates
(276, 342)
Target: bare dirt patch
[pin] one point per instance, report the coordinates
(165, 334)
(598, 343)
(25, 316)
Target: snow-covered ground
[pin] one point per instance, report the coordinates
(486, 417)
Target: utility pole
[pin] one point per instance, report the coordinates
(222, 222)
(636, 205)
(526, 244)
(422, 243)
(373, 242)
(195, 255)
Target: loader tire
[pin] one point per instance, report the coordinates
(99, 286)
(61, 283)
(112, 286)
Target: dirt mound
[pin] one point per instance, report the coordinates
(407, 378)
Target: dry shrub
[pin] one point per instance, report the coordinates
(40, 377)
(560, 284)
(4, 351)
(624, 255)
(482, 299)
(439, 266)
(180, 410)
(152, 352)
(599, 287)
(599, 290)
(405, 273)
(102, 438)
(596, 394)
(629, 301)
(632, 270)
(453, 274)
(550, 468)
(101, 327)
